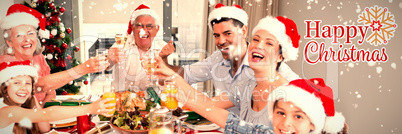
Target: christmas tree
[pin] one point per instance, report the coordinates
(59, 50)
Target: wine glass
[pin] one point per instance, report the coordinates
(121, 41)
(149, 64)
(102, 52)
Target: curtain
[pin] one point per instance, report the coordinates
(255, 9)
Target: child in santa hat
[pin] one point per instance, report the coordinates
(303, 106)
(18, 106)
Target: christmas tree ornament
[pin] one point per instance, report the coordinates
(62, 29)
(62, 9)
(62, 35)
(68, 30)
(51, 36)
(64, 46)
(69, 57)
(44, 41)
(49, 56)
(71, 82)
(64, 92)
(33, 5)
(53, 32)
(86, 82)
(51, 5)
(77, 49)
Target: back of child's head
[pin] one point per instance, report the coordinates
(315, 99)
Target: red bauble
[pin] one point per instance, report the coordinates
(69, 57)
(48, 23)
(86, 82)
(64, 46)
(62, 10)
(77, 49)
(51, 5)
(68, 30)
(51, 36)
(64, 92)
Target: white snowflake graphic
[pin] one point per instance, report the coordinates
(382, 23)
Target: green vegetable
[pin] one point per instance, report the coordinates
(103, 118)
(119, 121)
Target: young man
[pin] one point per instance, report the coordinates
(226, 67)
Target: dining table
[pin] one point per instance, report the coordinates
(194, 124)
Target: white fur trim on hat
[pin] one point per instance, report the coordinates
(334, 124)
(228, 12)
(18, 70)
(278, 29)
(149, 12)
(17, 19)
(309, 103)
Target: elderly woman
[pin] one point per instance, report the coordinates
(22, 43)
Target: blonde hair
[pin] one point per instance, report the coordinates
(3, 46)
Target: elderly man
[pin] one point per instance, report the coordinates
(229, 67)
(143, 26)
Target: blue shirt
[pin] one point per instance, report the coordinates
(234, 125)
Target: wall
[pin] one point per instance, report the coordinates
(367, 94)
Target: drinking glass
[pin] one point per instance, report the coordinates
(149, 64)
(109, 92)
(170, 87)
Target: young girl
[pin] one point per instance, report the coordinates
(17, 103)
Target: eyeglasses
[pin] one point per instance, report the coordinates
(148, 26)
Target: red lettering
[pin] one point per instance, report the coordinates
(313, 49)
(348, 36)
(336, 28)
(311, 29)
(362, 33)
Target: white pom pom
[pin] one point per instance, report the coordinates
(334, 124)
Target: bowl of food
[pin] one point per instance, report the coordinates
(134, 122)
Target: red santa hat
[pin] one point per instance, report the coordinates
(315, 99)
(9, 70)
(142, 10)
(19, 14)
(233, 12)
(285, 31)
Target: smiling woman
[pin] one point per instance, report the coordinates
(22, 43)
